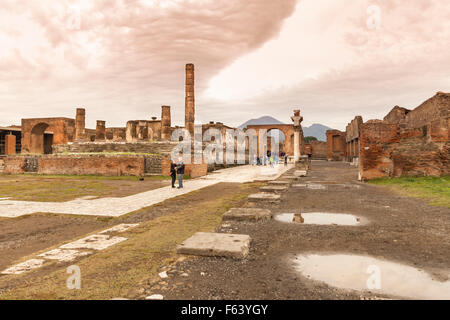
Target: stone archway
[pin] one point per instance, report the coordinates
(288, 131)
(41, 143)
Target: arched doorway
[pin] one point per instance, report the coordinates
(278, 137)
(41, 143)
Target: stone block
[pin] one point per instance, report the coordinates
(216, 245)
(275, 189)
(279, 182)
(247, 214)
(264, 197)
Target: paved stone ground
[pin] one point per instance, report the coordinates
(115, 207)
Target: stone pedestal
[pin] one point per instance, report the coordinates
(298, 136)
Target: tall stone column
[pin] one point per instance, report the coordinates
(10, 144)
(166, 122)
(190, 99)
(100, 130)
(297, 119)
(80, 124)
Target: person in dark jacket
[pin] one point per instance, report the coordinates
(173, 173)
(180, 173)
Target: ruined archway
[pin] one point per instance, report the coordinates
(40, 142)
(278, 137)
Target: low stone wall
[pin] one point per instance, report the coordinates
(155, 148)
(93, 165)
(192, 170)
(106, 165)
(387, 150)
(14, 165)
(20, 164)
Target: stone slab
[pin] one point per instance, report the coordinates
(120, 228)
(63, 255)
(216, 245)
(289, 177)
(316, 186)
(247, 214)
(264, 197)
(299, 185)
(95, 242)
(300, 173)
(276, 189)
(24, 266)
(280, 183)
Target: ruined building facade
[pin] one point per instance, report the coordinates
(66, 146)
(405, 143)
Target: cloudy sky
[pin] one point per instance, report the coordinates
(123, 59)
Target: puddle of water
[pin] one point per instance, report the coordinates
(369, 274)
(320, 218)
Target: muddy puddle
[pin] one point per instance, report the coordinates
(320, 218)
(365, 273)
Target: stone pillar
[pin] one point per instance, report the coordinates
(80, 124)
(10, 144)
(100, 130)
(190, 100)
(297, 119)
(166, 122)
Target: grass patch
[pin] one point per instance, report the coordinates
(122, 269)
(51, 190)
(434, 189)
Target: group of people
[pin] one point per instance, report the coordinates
(177, 169)
(270, 159)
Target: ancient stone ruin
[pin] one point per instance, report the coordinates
(405, 143)
(141, 147)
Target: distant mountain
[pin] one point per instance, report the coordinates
(316, 130)
(262, 120)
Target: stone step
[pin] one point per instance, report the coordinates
(216, 245)
(273, 188)
(264, 197)
(247, 214)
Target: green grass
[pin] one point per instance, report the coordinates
(50, 190)
(434, 189)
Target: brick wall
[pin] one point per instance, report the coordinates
(390, 150)
(95, 165)
(128, 147)
(14, 165)
(335, 146)
(192, 170)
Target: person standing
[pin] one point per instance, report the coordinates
(285, 160)
(173, 173)
(180, 173)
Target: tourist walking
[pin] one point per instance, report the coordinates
(173, 173)
(180, 173)
(285, 160)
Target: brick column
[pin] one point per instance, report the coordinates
(10, 144)
(190, 100)
(100, 130)
(80, 125)
(166, 122)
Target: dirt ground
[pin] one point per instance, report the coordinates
(401, 229)
(27, 235)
